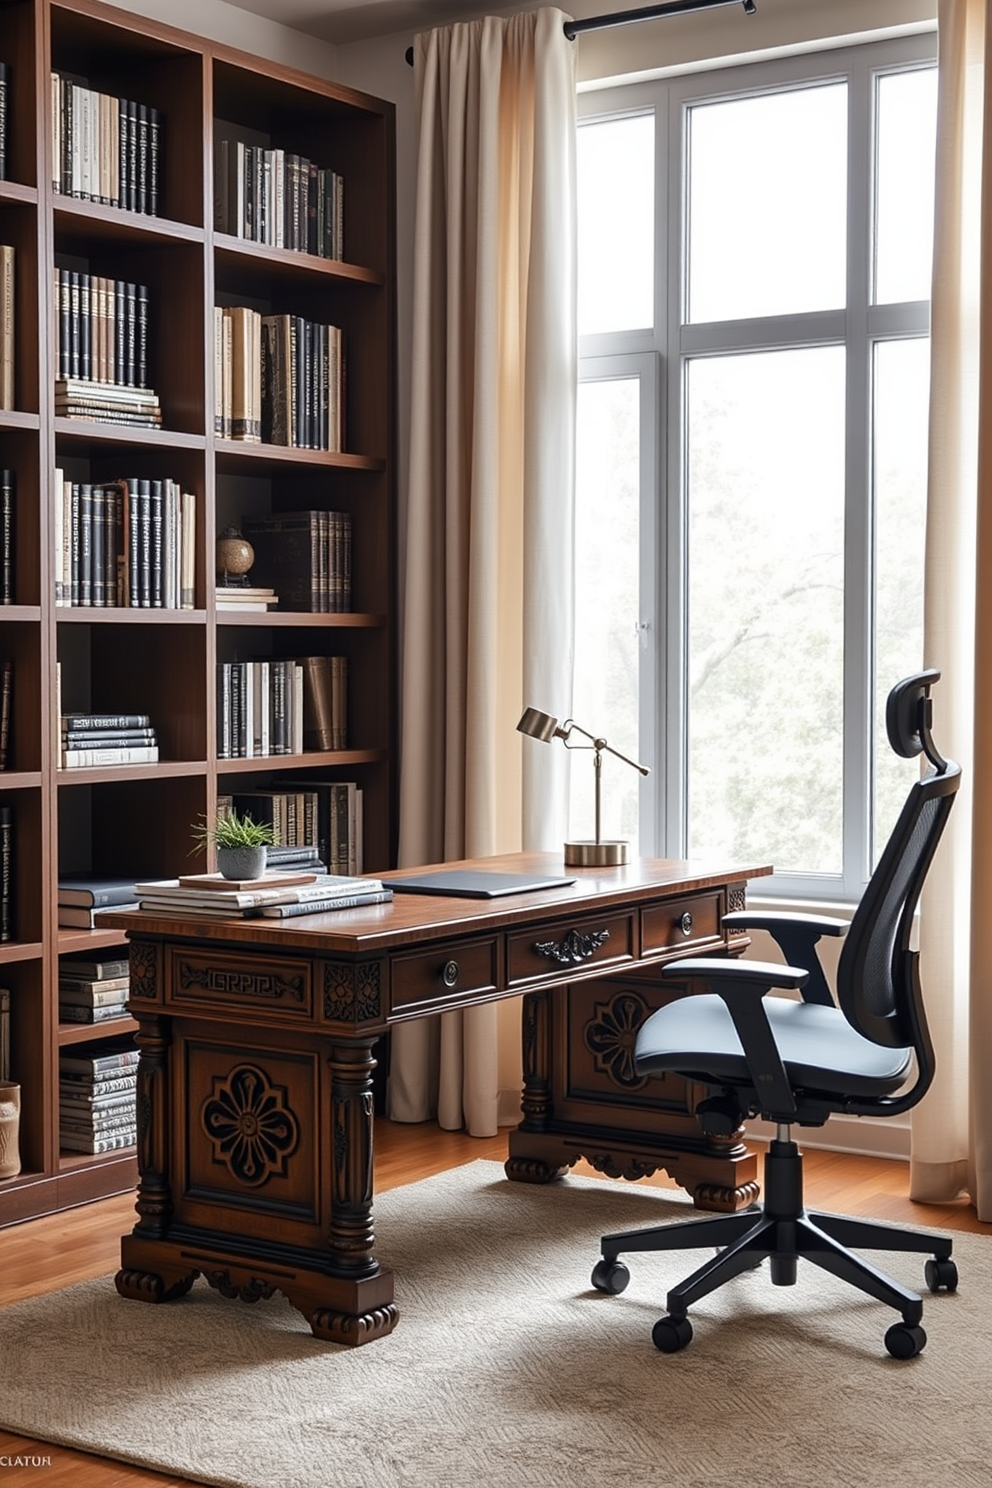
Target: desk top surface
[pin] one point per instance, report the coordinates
(411, 918)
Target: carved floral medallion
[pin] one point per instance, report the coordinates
(249, 1125)
(611, 1035)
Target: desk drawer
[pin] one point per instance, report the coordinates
(691, 921)
(443, 976)
(548, 950)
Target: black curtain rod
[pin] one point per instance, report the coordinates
(572, 29)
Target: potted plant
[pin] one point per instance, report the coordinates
(240, 842)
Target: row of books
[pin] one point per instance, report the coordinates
(85, 998)
(8, 550)
(279, 379)
(6, 704)
(126, 543)
(276, 197)
(324, 818)
(105, 149)
(101, 331)
(7, 328)
(306, 556)
(284, 706)
(97, 1096)
(6, 873)
(276, 896)
(4, 109)
(95, 740)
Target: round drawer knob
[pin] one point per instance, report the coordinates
(685, 923)
(449, 973)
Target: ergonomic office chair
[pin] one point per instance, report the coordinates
(801, 1061)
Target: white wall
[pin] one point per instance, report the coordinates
(218, 21)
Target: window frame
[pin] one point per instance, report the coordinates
(673, 341)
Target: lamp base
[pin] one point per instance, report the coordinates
(595, 854)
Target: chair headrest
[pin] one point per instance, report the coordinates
(909, 715)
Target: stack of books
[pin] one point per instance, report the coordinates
(275, 896)
(107, 403)
(245, 597)
(83, 898)
(84, 998)
(306, 555)
(97, 1097)
(94, 740)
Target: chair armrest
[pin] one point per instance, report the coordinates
(796, 935)
(742, 985)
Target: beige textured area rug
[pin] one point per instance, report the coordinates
(508, 1371)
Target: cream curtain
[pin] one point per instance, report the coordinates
(952, 1127)
(488, 556)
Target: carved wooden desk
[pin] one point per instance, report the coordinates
(255, 1117)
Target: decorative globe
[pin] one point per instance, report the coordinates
(235, 554)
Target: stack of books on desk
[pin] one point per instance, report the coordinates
(276, 896)
(97, 1097)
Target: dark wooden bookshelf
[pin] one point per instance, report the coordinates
(161, 661)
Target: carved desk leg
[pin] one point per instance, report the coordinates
(352, 1238)
(135, 1279)
(529, 1162)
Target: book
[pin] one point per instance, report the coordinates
(102, 1056)
(74, 1012)
(88, 759)
(81, 917)
(6, 873)
(6, 691)
(95, 891)
(80, 1142)
(217, 881)
(326, 886)
(8, 486)
(99, 1090)
(96, 971)
(81, 723)
(4, 1033)
(7, 307)
(4, 108)
(324, 906)
(94, 994)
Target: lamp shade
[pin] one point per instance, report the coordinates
(538, 725)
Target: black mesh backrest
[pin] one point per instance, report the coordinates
(873, 978)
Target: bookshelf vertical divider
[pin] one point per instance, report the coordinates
(150, 242)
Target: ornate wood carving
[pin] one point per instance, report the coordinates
(611, 1036)
(346, 1327)
(532, 1170)
(536, 1101)
(736, 901)
(267, 984)
(253, 1290)
(626, 1166)
(574, 948)
(145, 977)
(351, 1234)
(249, 1125)
(724, 1200)
(352, 992)
(145, 1286)
(154, 1201)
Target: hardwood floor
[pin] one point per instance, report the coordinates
(50, 1253)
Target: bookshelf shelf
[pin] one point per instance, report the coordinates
(18, 950)
(156, 228)
(82, 1033)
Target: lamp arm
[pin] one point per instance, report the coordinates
(600, 745)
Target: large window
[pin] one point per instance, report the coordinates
(754, 271)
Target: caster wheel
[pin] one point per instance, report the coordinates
(610, 1276)
(671, 1334)
(942, 1276)
(904, 1341)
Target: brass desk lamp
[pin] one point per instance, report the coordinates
(597, 854)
